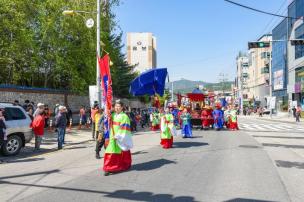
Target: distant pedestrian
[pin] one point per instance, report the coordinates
(94, 110)
(3, 137)
(82, 115)
(30, 112)
(60, 124)
(40, 108)
(26, 104)
(100, 139)
(298, 113)
(294, 111)
(38, 128)
(69, 114)
(56, 110)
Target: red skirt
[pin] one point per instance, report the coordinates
(117, 162)
(233, 126)
(167, 143)
(154, 128)
(205, 123)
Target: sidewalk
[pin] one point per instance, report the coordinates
(281, 117)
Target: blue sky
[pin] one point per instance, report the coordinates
(199, 39)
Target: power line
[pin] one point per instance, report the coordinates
(260, 11)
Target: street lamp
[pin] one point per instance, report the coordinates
(74, 12)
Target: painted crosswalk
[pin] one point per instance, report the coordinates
(270, 127)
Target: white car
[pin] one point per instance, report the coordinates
(18, 131)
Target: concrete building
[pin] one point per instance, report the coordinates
(258, 73)
(141, 51)
(241, 90)
(296, 54)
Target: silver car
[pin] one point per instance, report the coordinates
(18, 131)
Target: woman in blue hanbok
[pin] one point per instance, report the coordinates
(186, 124)
(218, 116)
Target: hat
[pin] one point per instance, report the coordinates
(40, 104)
(62, 108)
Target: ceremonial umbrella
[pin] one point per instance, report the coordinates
(149, 82)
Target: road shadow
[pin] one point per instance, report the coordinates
(139, 152)
(188, 144)
(151, 165)
(20, 160)
(246, 200)
(26, 152)
(283, 145)
(290, 164)
(147, 196)
(119, 194)
(30, 174)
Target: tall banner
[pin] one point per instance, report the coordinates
(107, 95)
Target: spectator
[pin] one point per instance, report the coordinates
(60, 124)
(99, 122)
(26, 104)
(82, 114)
(16, 103)
(298, 113)
(40, 108)
(47, 115)
(294, 111)
(94, 111)
(2, 129)
(30, 112)
(56, 110)
(38, 128)
(69, 114)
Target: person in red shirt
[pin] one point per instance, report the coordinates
(38, 128)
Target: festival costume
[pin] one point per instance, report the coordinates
(186, 129)
(227, 117)
(205, 118)
(210, 116)
(117, 155)
(155, 121)
(166, 135)
(218, 116)
(233, 125)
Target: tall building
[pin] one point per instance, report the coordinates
(279, 68)
(258, 73)
(295, 54)
(241, 79)
(141, 51)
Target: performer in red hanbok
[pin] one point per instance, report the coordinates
(205, 118)
(210, 116)
(232, 118)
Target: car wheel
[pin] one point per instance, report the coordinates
(12, 146)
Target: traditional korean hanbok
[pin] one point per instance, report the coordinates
(186, 123)
(218, 116)
(227, 117)
(155, 119)
(166, 130)
(233, 125)
(205, 119)
(117, 154)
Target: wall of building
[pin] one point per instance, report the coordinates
(141, 51)
(51, 98)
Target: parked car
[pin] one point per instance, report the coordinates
(18, 130)
(266, 111)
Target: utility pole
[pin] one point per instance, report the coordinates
(98, 53)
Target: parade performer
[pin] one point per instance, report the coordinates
(117, 155)
(227, 116)
(166, 128)
(218, 116)
(155, 117)
(186, 129)
(210, 116)
(205, 118)
(175, 115)
(233, 125)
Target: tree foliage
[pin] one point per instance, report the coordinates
(40, 47)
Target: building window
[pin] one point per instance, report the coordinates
(265, 55)
(265, 70)
(299, 49)
(144, 48)
(134, 48)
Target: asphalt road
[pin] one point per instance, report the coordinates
(253, 164)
